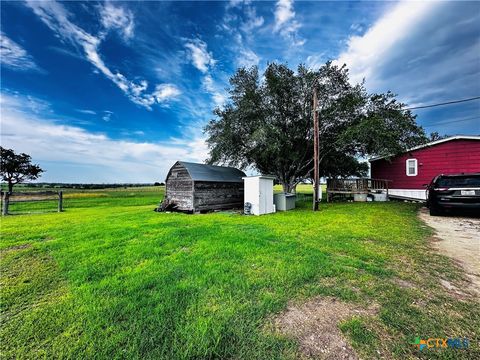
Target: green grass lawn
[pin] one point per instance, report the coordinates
(111, 278)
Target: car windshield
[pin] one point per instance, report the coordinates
(459, 181)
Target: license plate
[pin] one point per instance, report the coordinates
(467, 192)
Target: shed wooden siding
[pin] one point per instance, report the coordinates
(217, 195)
(450, 157)
(179, 187)
(199, 187)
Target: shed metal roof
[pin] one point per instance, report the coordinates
(203, 172)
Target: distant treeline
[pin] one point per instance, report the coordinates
(80, 186)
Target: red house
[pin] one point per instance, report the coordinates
(409, 171)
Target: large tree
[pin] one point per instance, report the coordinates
(17, 168)
(267, 124)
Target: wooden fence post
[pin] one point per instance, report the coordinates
(60, 201)
(6, 200)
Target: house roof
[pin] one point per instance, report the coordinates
(203, 172)
(457, 137)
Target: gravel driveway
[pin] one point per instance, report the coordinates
(459, 238)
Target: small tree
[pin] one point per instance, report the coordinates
(435, 136)
(16, 168)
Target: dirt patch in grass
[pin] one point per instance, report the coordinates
(404, 283)
(15, 248)
(453, 290)
(315, 325)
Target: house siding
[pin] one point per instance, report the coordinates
(455, 156)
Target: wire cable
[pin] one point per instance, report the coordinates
(444, 103)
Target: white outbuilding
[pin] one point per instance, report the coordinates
(259, 194)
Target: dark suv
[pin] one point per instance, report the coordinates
(457, 191)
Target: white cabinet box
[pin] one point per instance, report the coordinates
(259, 193)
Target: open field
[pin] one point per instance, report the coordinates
(111, 278)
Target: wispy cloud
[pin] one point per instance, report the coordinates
(86, 111)
(247, 57)
(253, 21)
(115, 17)
(107, 115)
(15, 57)
(241, 22)
(218, 96)
(235, 3)
(316, 61)
(201, 58)
(56, 17)
(285, 22)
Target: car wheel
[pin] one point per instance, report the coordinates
(435, 211)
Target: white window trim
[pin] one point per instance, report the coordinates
(416, 167)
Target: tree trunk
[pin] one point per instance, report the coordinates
(288, 188)
(10, 187)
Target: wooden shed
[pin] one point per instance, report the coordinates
(198, 187)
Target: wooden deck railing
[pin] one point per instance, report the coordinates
(356, 186)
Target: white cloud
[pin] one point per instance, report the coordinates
(55, 16)
(365, 54)
(15, 57)
(426, 52)
(117, 18)
(283, 13)
(285, 22)
(201, 58)
(70, 153)
(165, 92)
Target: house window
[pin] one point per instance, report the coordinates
(412, 167)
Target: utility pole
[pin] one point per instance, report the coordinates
(316, 180)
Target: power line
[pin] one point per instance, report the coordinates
(444, 103)
(453, 121)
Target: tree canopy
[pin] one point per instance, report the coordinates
(17, 168)
(267, 123)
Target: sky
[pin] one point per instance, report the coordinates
(116, 92)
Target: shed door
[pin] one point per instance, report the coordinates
(264, 196)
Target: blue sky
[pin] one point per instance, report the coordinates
(117, 91)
